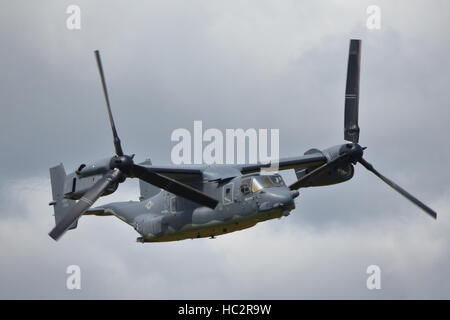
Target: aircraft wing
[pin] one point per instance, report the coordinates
(305, 161)
(196, 173)
(185, 174)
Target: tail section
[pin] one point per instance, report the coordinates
(60, 205)
(147, 190)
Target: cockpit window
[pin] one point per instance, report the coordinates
(266, 181)
(228, 193)
(246, 185)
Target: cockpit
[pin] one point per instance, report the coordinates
(256, 183)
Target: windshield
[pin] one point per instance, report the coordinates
(266, 181)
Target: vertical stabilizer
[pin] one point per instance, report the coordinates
(60, 205)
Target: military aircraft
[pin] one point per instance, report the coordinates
(194, 201)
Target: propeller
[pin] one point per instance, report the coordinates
(173, 186)
(351, 128)
(122, 167)
(85, 203)
(116, 139)
(353, 152)
(399, 189)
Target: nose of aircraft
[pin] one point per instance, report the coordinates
(280, 197)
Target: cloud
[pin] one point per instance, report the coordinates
(258, 64)
(276, 259)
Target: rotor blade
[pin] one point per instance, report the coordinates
(399, 189)
(304, 181)
(173, 186)
(116, 139)
(351, 128)
(84, 203)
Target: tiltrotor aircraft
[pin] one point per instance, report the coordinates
(196, 201)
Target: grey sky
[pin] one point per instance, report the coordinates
(231, 64)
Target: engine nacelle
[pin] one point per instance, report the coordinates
(79, 182)
(96, 168)
(336, 174)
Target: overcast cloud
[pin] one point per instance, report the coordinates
(231, 64)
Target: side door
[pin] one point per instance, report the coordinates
(166, 202)
(247, 203)
(228, 195)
